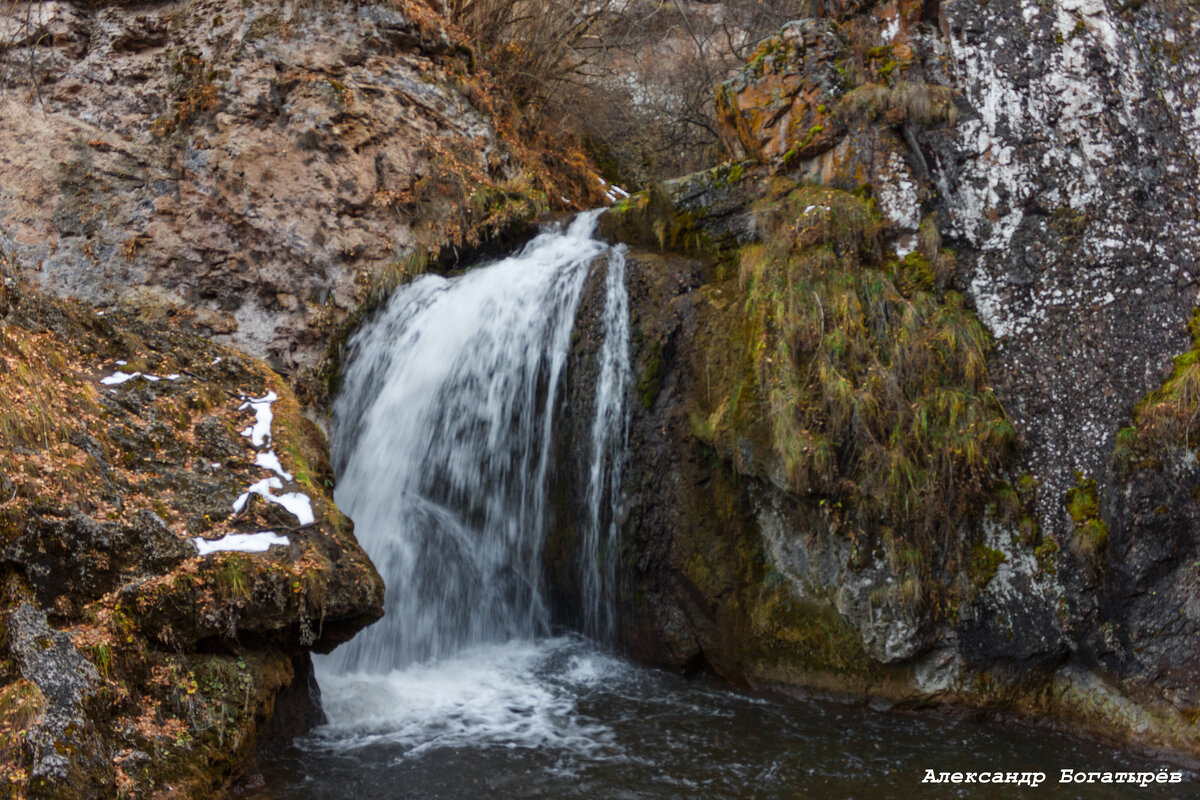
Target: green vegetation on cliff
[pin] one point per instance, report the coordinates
(860, 378)
(1168, 417)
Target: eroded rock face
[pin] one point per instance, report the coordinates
(1072, 174)
(67, 758)
(780, 107)
(255, 164)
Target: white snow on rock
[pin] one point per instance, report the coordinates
(269, 460)
(260, 432)
(120, 377)
(297, 503)
(259, 542)
(262, 488)
(611, 191)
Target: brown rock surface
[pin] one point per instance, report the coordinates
(258, 163)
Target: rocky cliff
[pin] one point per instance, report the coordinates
(907, 421)
(260, 175)
(261, 166)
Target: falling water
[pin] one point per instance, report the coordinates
(443, 442)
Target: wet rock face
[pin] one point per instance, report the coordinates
(1070, 180)
(1149, 598)
(74, 560)
(254, 163)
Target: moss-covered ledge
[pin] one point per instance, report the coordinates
(123, 442)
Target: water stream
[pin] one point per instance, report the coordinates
(442, 441)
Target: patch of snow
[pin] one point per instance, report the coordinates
(174, 376)
(260, 432)
(122, 363)
(892, 30)
(119, 377)
(898, 198)
(262, 488)
(217, 360)
(259, 542)
(269, 460)
(297, 503)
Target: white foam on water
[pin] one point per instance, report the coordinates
(443, 440)
(490, 695)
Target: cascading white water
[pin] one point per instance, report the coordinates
(442, 439)
(610, 432)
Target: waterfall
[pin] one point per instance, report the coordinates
(610, 432)
(442, 440)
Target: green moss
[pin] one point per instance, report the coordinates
(813, 132)
(984, 563)
(234, 575)
(647, 384)
(806, 635)
(861, 380)
(650, 219)
(1168, 418)
(1090, 536)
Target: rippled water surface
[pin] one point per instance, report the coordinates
(557, 718)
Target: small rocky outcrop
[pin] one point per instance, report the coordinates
(169, 555)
